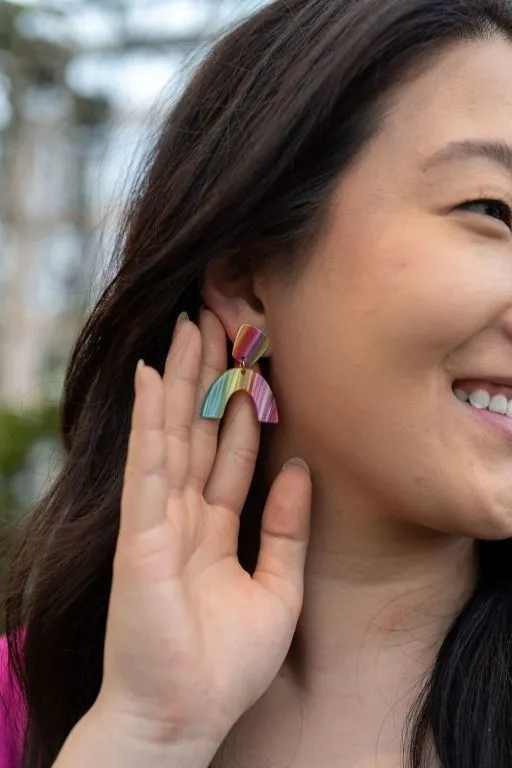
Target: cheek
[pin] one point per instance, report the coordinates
(410, 284)
(402, 458)
(363, 396)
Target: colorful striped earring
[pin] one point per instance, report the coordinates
(250, 344)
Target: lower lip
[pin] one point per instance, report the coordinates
(499, 421)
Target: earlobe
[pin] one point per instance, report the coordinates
(250, 345)
(230, 299)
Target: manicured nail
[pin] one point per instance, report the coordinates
(138, 368)
(181, 318)
(296, 462)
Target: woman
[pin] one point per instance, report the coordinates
(337, 176)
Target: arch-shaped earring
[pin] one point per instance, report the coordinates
(250, 344)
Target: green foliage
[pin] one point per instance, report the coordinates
(20, 434)
(9, 14)
(35, 60)
(91, 111)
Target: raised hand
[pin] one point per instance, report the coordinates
(192, 639)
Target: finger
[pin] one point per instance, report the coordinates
(180, 385)
(285, 534)
(234, 464)
(144, 495)
(205, 432)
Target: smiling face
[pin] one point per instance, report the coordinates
(410, 290)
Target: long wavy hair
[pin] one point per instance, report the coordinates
(243, 168)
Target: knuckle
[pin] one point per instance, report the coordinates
(179, 432)
(244, 454)
(207, 430)
(146, 455)
(282, 500)
(179, 377)
(209, 374)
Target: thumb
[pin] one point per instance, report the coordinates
(285, 531)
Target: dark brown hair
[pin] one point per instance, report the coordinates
(244, 166)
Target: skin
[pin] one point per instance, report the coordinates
(405, 293)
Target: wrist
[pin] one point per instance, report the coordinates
(106, 738)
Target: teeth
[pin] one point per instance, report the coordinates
(482, 400)
(498, 404)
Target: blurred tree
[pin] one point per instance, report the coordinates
(20, 436)
(48, 131)
(34, 66)
(29, 455)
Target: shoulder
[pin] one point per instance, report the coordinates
(12, 712)
(4, 655)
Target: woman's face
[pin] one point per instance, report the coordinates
(408, 292)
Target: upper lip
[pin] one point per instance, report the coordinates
(504, 381)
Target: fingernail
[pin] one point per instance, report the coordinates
(181, 317)
(296, 462)
(140, 365)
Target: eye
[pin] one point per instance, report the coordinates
(498, 209)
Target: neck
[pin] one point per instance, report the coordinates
(379, 598)
(379, 594)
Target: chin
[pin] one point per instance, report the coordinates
(491, 521)
(473, 516)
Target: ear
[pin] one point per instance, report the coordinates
(232, 297)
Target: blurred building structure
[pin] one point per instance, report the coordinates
(83, 84)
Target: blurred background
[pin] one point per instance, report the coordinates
(83, 87)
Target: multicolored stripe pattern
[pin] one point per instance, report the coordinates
(250, 344)
(233, 381)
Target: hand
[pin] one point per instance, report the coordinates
(192, 639)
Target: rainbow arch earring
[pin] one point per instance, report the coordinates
(250, 344)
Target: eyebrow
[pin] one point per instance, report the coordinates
(498, 152)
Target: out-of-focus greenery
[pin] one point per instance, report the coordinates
(32, 61)
(38, 46)
(29, 457)
(21, 434)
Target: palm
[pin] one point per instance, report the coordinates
(206, 637)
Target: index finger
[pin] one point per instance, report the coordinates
(181, 377)
(144, 494)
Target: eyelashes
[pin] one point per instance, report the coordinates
(499, 209)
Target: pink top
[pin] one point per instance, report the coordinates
(12, 714)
